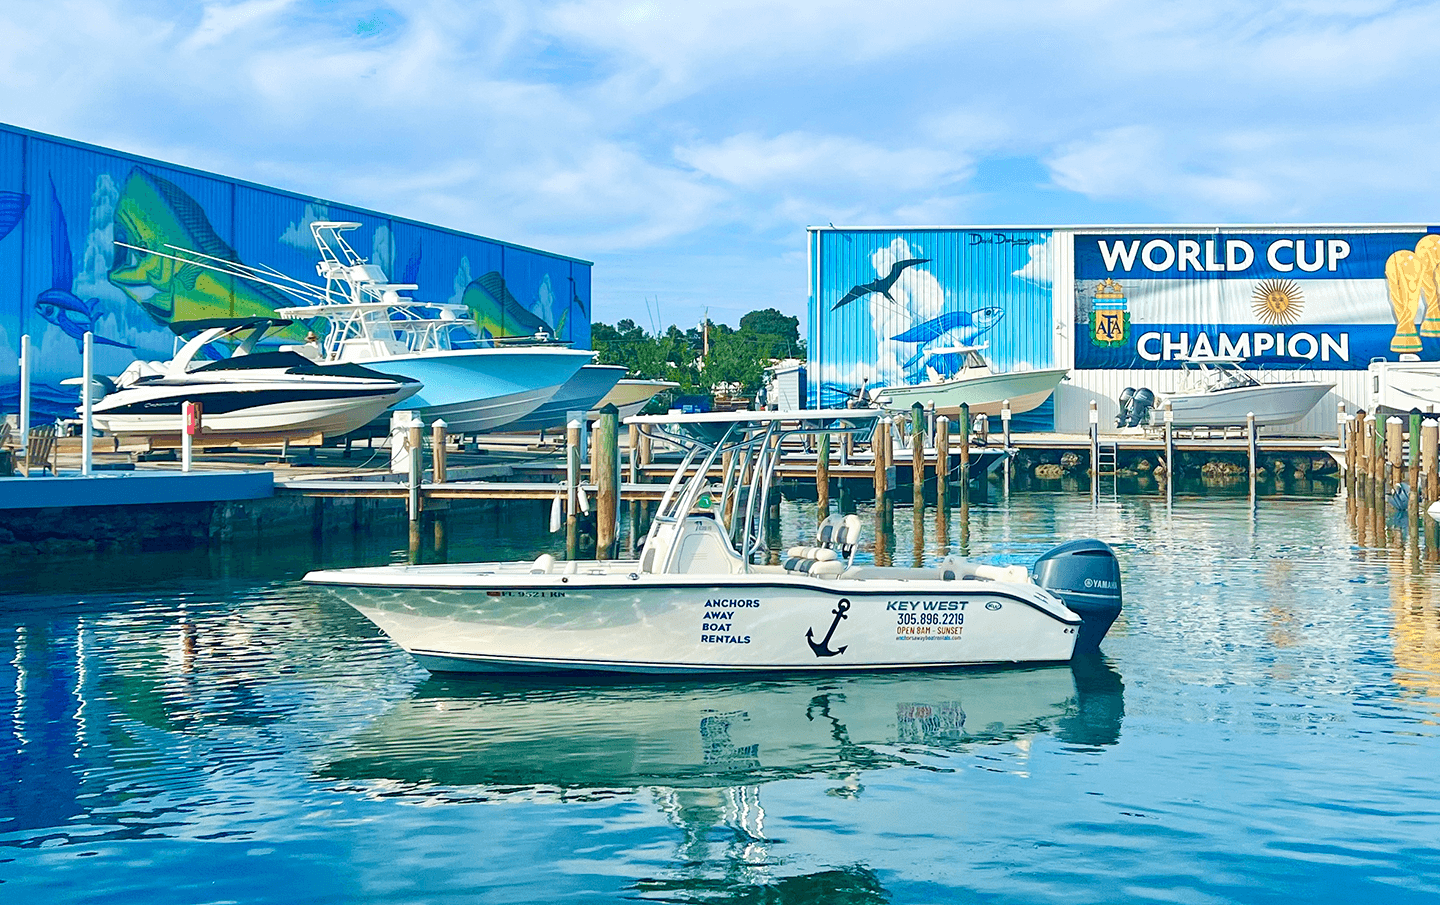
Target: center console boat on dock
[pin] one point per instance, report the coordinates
(703, 598)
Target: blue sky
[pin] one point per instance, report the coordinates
(684, 147)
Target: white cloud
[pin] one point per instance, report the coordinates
(663, 139)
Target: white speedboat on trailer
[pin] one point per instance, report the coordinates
(277, 394)
(1218, 392)
(474, 385)
(701, 598)
(971, 382)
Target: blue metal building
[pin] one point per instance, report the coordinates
(63, 205)
(1122, 305)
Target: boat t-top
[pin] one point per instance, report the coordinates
(475, 385)
(707, 594)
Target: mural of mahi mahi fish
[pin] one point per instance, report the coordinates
(497, 312)
(155, 213)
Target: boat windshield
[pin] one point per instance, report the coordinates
(728, 462)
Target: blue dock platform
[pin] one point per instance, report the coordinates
(134, 488)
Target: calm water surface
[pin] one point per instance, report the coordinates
(1262, 728)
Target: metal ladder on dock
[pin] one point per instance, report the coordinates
(1107, 458)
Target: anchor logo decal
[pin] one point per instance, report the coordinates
(823, 648)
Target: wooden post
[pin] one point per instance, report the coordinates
(605, 473)
(880, 445)
(917, 456)
(572, 492)
(1094, 450)
(437, 450)
(1365, 451)
(822, 477)
(645, 450)
(417, 467)
(942, 463)
(964, 452)
(1252, 446)
(1005, 435)
(635, 454)
(1169, 452)
(1413, 471)
(1394, 451)
(1429, 450)
(1352, 448)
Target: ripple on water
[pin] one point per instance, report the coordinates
(1263, 726)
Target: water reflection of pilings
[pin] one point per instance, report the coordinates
(1392, 518)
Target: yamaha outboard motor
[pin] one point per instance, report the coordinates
(1125, 396)
(1140, 406)
(1086, 576)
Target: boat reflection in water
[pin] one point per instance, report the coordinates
(703, 751)
(534, 734)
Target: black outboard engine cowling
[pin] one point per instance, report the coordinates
(1124, 416)
(1140, 406)
(1086, 576)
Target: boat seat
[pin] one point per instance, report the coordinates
(542, 564)
(840, 533)
(952, 569)
(815, 561)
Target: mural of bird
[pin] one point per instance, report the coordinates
(59, 304)
(879, 285)
(953, 328)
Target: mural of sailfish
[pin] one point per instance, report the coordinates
(497, 312)
(59, 304)
(154, 213)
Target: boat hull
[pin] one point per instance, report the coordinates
(238, 409)
(461, 619)
(478, 390)
(1404, 386)
(1026, 390)
(1272, 404)
(630, 396)
(579, 394)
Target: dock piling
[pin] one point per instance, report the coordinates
(917, 456)
(964, 452)
(1169, 453)
(822, 476)
(1252, 446)
(437, 450)
(942, 464)
(417, 465)
(605, 472)
(1094, 450)
(1005, 435)
(879, 446)
(572, 489)
(1394, 451)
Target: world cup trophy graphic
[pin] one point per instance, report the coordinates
(1109, 317)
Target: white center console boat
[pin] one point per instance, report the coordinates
(701, 597)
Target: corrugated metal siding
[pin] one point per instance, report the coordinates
(844, 347)
(127, 301)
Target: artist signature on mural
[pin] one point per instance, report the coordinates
(999, 239)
